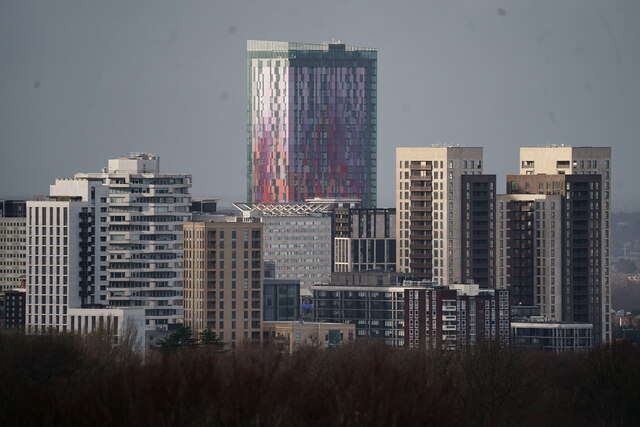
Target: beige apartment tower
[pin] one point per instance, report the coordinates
(561, 160)
(223, 278)
(429, 210)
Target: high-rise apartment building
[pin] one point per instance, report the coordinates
(224, 278)
(60, 261)
(441, 214)
(311, 121)
(596, 194)
(146, 210)
(579, 261)
(108, 239)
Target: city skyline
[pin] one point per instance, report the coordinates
(172, 81)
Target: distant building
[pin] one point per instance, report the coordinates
(364, 239)
(367, 278)
(297, 238)
(203, 205)
(556, 254)
(13, 208)
(108, 240)
(589, 245)
(312, 121)
(13, 244)
(293, 335)
(12, 309)
(281, 300)
(124, 325)
(376, 311)
(444, 218)
(557, 337)
(529, 252)
(455, 317)
(223, 278)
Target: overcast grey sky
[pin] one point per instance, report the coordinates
(83, 81)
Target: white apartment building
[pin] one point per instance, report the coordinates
(554, 159)
(56, 279)
(115, 240)
(428, 209)
(146, 210)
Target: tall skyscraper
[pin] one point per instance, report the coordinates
(311, 121)
(444, 218)
(586, 209)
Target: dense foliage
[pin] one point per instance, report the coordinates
(65, 380)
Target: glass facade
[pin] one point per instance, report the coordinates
(311, 122)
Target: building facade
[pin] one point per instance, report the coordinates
(13, 251)
(364, 239)
(145, 210)
(223, 286)
(429, 205)
(555, 159)
(281, 300)
(311, 121)
(109, 239)
(293, 335)
(529, 251)
(59, 261)
(455, 317)
(556, 337)
(297, 238)
(376, 311)
(13, 309)
(581, 241)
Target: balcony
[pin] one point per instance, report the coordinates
(420, 246)
(423, 227)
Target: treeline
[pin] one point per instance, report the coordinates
(66, 380)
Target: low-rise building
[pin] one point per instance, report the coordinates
(557, 337)
(13, 310)
(293, 335)
(455, 317)
(376, 311)
(124, 325)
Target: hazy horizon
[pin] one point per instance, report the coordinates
(84, 82)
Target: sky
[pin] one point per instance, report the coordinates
(84, 81)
